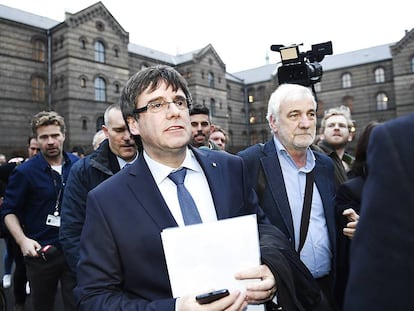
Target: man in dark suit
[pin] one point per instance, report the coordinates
(116, 151)
(279, 171)
(382, 251)
(122, 264)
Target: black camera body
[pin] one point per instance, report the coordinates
(301, 67)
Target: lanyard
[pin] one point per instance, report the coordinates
(59, 193)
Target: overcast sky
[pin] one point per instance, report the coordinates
(242, 31)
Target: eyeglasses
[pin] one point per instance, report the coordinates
(160, 104)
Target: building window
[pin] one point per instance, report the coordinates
(260, 94)
(212, 107)
(210, 78)
(382, 101)
(263, 113)
(38, 89)
(82, 41)
(100, 89)
(252, 116)
(116, 88)
(116, 52)
(62, 81)
(188, 74)
(229, 113)
(379, 74)
(82, 82)
(99, 52)
(39, 50)
(250, 95)
(100, 26)
(346, 80)
(99, 123)
(412, 64)
(84, 124)
(55, 82)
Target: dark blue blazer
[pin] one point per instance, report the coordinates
(382, 251)
(122, 264)
(262, 159)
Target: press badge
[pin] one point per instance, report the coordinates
(53, 220)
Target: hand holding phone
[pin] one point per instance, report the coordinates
(212, 296)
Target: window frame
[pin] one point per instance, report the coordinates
(39, 50)
(381, 100)
(100, 89)
(379, 75)
(346, 80)
(99, 48)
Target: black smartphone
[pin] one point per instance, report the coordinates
(212, 296)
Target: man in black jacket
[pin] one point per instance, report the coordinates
(112, 155)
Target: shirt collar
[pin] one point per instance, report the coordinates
(160, 171)
(282, 152)
(122, 162)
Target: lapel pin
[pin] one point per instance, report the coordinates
(214, 164)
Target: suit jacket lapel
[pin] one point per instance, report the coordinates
(145, 191)
(273, 174)
(323, 183)
(215, 180)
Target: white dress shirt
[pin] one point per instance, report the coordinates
(195, 182)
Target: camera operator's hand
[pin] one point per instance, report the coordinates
(29, 247)
(236, 301)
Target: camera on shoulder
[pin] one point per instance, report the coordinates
(301, 67)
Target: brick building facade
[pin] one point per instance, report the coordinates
(79, 66)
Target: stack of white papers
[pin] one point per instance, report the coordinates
(206, 256)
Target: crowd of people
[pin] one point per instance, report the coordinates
(332, 223)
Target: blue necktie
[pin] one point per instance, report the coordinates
(187, 205)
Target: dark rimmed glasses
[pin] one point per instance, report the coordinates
(161, 104)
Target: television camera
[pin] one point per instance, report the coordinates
(301, 67)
